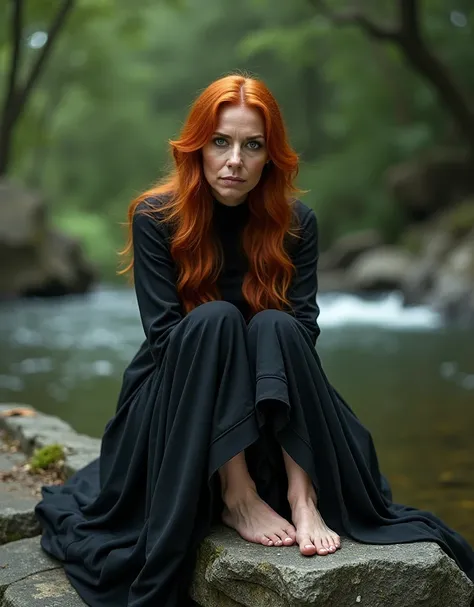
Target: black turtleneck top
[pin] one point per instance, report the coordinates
(155, 273)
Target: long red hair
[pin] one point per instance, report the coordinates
(188, 203)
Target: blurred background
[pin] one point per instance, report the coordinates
(378, 97)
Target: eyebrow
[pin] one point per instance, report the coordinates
(246, 138)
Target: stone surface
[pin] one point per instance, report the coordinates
(35, 257)
(39, 430)
(17, 518)
(234, 573)
(47, 589)
(21, 559)
(380, 269)
(347, 248)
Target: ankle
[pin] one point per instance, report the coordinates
(302, 497)
(233, 496)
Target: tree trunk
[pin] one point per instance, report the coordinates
(17, 96)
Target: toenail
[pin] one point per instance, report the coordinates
(309, 546)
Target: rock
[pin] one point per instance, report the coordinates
(47, 589)
(444, 278)
(17, 517)
(36, 259)
(347, 248)
(30, 578)
(235, 573)
(333, 282)
(425, 186)
(382, 269)
(40, 430)
(23, 558)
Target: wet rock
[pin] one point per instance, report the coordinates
(36, 259)
(382, 269)
(234, 573)
(347, 249)
(443, 277)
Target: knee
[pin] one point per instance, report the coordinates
(215, 310)
(273, 318)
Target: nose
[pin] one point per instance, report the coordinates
(235, 157)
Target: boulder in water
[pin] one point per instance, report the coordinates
(35, 258)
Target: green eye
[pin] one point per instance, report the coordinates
(220, 142)
(254, 145)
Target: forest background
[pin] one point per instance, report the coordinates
(119, 76)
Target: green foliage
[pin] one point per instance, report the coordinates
(459, 220)
(47, 456)
(122, 76)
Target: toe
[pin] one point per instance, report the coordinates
(330, 544)
(307, 548)
(266, 540)
(288, 535)
(290, 532)
(320, 548)
(275, 539)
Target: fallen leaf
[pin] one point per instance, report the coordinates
(20, 411)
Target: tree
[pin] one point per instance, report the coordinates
(407, 35)
(17, 94)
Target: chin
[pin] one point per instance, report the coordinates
(230, 195)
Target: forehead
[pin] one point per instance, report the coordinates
(240, 118)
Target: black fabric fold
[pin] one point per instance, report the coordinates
(203, 387)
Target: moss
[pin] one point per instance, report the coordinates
(460, 219)
(412, 241)
(46, 457)
(13, 536)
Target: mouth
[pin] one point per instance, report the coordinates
(233, 179)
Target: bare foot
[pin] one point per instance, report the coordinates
(312, 534)
(256, 522)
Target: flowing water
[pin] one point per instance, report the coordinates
(409, 379)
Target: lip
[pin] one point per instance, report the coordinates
(233, 179)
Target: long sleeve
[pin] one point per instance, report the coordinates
(155, 278)
(304, 287)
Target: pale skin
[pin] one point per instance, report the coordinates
(237, 150)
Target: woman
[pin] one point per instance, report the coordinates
(225, 412)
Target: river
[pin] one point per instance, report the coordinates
(408, 378)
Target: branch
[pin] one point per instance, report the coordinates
(410, 19)
(353, 17)
(15, 33)
(38, 66)
(407, 36)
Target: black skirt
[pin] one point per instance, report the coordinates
(128, 525)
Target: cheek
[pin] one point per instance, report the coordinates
(256, 169)
(212, 162)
